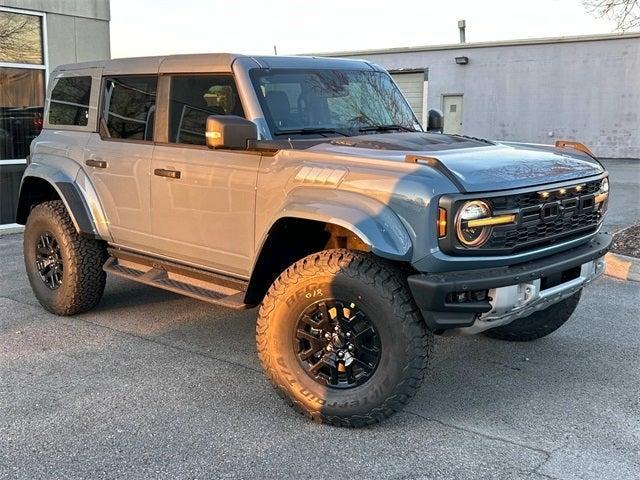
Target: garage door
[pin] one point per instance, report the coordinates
(412, 85)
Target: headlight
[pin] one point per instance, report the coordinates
(472, 236)
(603, 193)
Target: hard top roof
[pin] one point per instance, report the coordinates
(209, 62)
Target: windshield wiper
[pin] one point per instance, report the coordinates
(386, 128)
(309, 131)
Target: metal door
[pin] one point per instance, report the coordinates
(452, 109)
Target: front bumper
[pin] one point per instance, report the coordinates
(512, 292)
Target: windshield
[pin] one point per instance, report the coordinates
(331, 102)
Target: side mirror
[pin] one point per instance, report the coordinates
(435, 121)
(229, 131)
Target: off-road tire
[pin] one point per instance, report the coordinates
(539, 324)
(83, 278)
(406, 343)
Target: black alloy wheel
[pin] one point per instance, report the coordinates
(336, 344)
(49, 261)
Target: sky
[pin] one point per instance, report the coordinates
(159, 27)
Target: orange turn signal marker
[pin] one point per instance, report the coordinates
(601, 197)
(487, 222)
(581, 147)
(442, 222)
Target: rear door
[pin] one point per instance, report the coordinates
(118, 157)
(202, 200)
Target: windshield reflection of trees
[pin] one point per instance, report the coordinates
(342, 99)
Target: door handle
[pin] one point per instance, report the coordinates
(96, 163)
(162, 172)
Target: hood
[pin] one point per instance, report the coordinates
(477, 165)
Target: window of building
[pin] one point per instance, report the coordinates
(193, 98)
(20, 38)
(128, 107)
(70, 101)
(22, 94)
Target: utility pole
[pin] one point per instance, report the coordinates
(275, 50)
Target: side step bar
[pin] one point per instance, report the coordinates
(191, 282)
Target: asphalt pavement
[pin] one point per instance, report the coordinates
(153, 385)
(624, 200)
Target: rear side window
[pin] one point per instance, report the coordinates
(128, 107)
(70, 101)
(193, 98)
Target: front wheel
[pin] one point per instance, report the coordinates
(341, 339)
(538, 324)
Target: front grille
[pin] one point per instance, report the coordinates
(572, 212)
(530, 199)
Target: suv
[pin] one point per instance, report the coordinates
(308, 187)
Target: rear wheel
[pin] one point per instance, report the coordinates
(341, 339)
(539, 324)
(64, 268)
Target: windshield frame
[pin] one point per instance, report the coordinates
(307, 131)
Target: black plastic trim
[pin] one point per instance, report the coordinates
(79, 209)
(430, 290)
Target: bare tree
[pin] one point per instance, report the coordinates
(20, 38)
(625, 13)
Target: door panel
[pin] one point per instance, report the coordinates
(452, 108)
(119, 172)
(206, 216)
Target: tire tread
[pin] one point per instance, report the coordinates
(391, 285)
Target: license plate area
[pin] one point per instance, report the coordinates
(559, 278)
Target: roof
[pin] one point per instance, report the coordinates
(207, 61)
(499, 43)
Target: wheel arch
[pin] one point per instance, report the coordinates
(306, 226)
(36, 189)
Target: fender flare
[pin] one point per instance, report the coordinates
(71, 194)
(375, 223)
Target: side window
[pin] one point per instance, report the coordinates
(70, 101)
(128, 107)
(192, 98)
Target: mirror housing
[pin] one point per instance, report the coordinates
(229, 131)
(435, 121)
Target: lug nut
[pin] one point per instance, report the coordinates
(336, 328)
(350, 347)
(327, 335)
(341, 354)
(348, 334)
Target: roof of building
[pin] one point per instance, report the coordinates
(499, 43)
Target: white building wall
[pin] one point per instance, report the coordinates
(580, 90)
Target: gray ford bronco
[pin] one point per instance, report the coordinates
(306, 186)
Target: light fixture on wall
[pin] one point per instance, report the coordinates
(462, 60)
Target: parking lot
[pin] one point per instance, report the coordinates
(151, 384)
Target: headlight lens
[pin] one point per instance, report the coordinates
(604, 186)
(472, 236)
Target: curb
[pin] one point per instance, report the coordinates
(10, 230)
(622, 267)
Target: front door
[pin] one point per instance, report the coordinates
(452, 106)
(202, 200)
